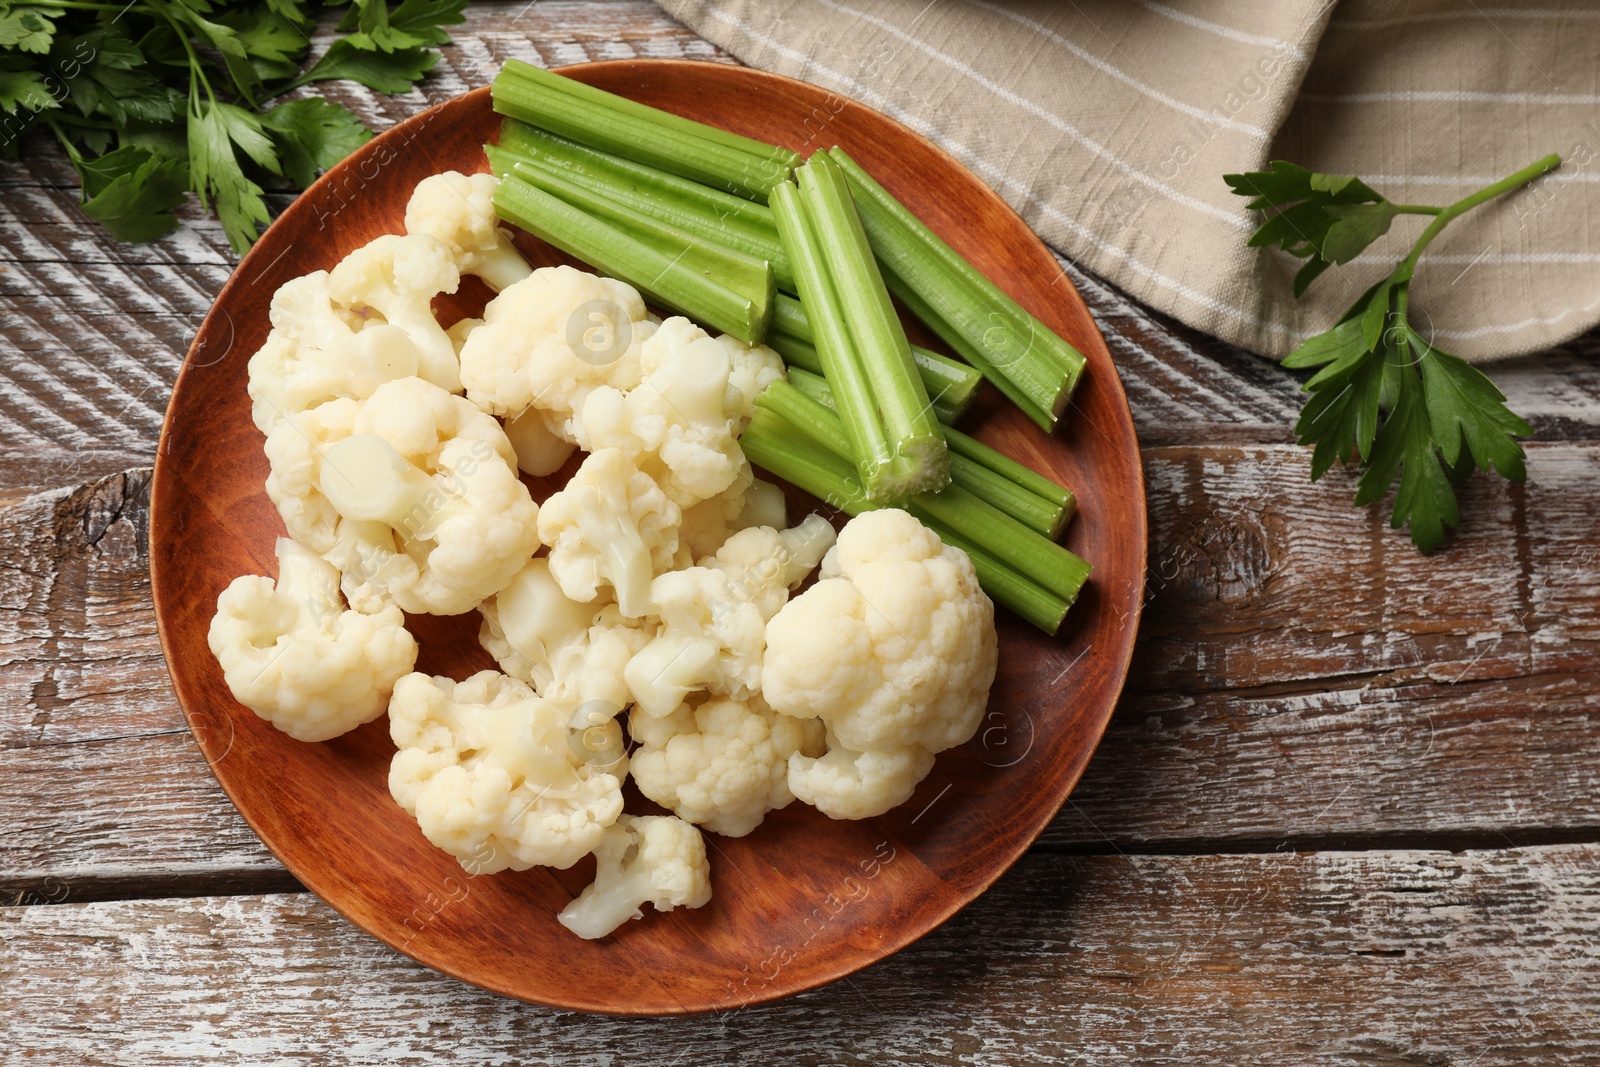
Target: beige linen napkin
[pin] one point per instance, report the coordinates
(1109, 124)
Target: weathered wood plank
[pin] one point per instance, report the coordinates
(1302, 676)
(1394, 958)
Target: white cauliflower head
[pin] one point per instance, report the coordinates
(458, 210)
(714, 616)
(287, 377)
(748, 502)
(570, 652)
(434, 516)
(292, 654)
(644, 859)
(398, 277)
(499, 777)
(304, 310)
(894, 649)
(722, 765)
(673, 425)
(845, 784)
(550, 339)
(295, 449)
(611, 525)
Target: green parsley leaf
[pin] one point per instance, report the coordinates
(387, 72)
(28, 29)
(1326, 218)
(24, 90)
(133, 192)
(414, 24)
(1465, 409)
(215, 173)
(275, 44)
(1405, 446)
(312, 135)
(1382, 396)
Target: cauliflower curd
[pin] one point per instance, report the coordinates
(894, 649)
(291, 653)
(667, 600)
(499, 777)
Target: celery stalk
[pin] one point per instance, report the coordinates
(661, 277)
(789, 316)
(951, 386)
(747, 275)
(644, 134)
(1015, 344)
(776, 445)
(1033, 602)
(978, 477)
(878, 340)
(1042, 418)
(1010, 542)
(1006, 467)
(543, 146)
(692, 215)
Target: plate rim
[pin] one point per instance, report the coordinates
(826, 976)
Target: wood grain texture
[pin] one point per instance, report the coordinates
(1348, 713)
(1399, 959)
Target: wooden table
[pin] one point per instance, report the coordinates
(1347, 813)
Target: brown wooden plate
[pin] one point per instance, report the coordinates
(801, 901)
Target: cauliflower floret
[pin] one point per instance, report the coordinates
(894, 649)
(550, 339)
(845, 784)
(645, 859)
(748, 502)
(714, 616)
(399, 277)
(611, 525)
(292, 655)
(458, 210)
(723, 765)
(459, 333)
(753, 368)
(287, 377)
(499, 777)
(305, 312)
(295, 450)
(570, 652)
(672, 426)
(434, 516)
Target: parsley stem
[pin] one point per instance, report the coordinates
(1522, 177)
(1416, 209)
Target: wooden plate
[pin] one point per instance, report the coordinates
(801, 901)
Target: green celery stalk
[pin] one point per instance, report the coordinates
(894, 436)
(661, 277)
(1006, 467)
(685, 126)
(746, 275)
(1015, 344)
(951, 386)
(1044, 419)
(1033, 602)
(634, 131)
(789, 316)
(681, 213)
(1024, 550)
(776, 445)
(614, 170)
(1031, 509)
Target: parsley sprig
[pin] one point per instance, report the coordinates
(1382, 391)
(157, 99)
